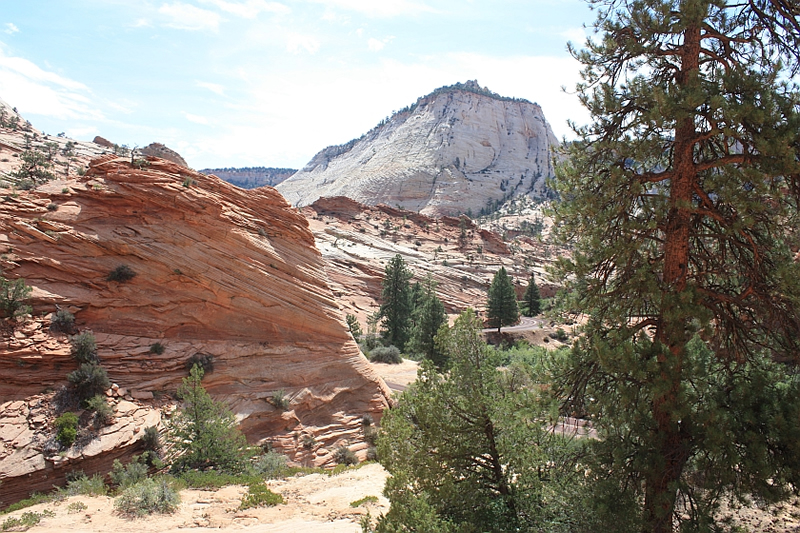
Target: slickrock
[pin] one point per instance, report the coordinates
(459, 149)
(357, 241)
(220, 272)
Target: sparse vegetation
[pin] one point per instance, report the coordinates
(12, 298)
(345, 456)
(258, 495)
(147, 497)
(88, 380)
(26, 521)
(103, 412)
(66, 429)
(128, 475)
(203, 360)
(84, 347)
(280, 400)
(121, 274)
(62, 321)
(157, 348)
(364, 500)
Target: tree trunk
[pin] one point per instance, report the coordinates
(672, 445)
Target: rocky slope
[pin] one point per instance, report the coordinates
(357, 242)
(219, 271)
(251, 177)
(460, 149)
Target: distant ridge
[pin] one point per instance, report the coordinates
(251, 177)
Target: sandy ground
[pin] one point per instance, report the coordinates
(315, 503)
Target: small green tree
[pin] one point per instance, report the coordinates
(204, 432)
(35, 167)
(397, 306)
(12, 297)
(531, 300)
(354, 327)
(502, 308)
(429, 316)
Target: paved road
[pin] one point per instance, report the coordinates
(525, 324)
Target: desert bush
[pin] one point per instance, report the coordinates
(367, 420)
(76, 507)
(157, 348)
(103, 412)
(62, 321)
(52, 206)
(80, 484)
(12, 297)
(26, 521)
(386, 354)
(67, 429)
(151, 440)
(280, 400)
(370, 435)
(204, 360)
(271, 465)
(372, 453)
(147, 497)
(345, 456)
(129, 474)
(259, 495)
(84, 347)
(89, 379)
(121, 274)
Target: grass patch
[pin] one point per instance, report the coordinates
(25, 521)
(362, 501)
(215, 480)
(258, 495)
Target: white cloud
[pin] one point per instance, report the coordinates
(141, 23)
(188, 17)
(213, 87)
(375, 45)
(11, 29)
(379, 8)
(197, 119)
(576, 35)
(35, 91)
(296, 43)
(249, 9)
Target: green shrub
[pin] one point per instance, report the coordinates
(386, 354)
(12, 297)
(26, 520)
(151, 440)
(80, 484)
(84, 347)
(103, 412)
(370, 435)
(280, 400)
(271, 465)
(67, 429)
(52, 206)
(62, 321)
(128, 475)
(34, 499)
(157, 348)
(76, 507)
(147, 497)
(204, 360)
(89, 379)
(211, 479)
(259, 495)
(121, 274)
(345, 456)
(362, 501)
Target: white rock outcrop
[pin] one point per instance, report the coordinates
(458, 149)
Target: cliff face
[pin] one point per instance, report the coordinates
(251, 177)
(219, 271)
(457, 149)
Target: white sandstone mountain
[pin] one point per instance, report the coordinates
(460, 149)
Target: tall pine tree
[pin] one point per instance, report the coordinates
(502, 308)
(531, 300)
(429, 316)
(681, 198)
(397, 307)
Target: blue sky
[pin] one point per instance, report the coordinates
(262, 82)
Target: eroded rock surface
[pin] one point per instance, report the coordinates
(460, 149)
(219, 271)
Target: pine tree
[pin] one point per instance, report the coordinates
(681, 198)
(502, 308)
(531, 300)
(396, 308)
(428, 317)
(204, 432)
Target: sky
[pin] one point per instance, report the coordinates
(232, 83)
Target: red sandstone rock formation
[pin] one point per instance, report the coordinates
(219, 271)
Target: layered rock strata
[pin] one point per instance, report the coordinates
(460, 149)
(220, 272)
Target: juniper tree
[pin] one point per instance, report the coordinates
(397, 306)
(681, 199)
(502, 308)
